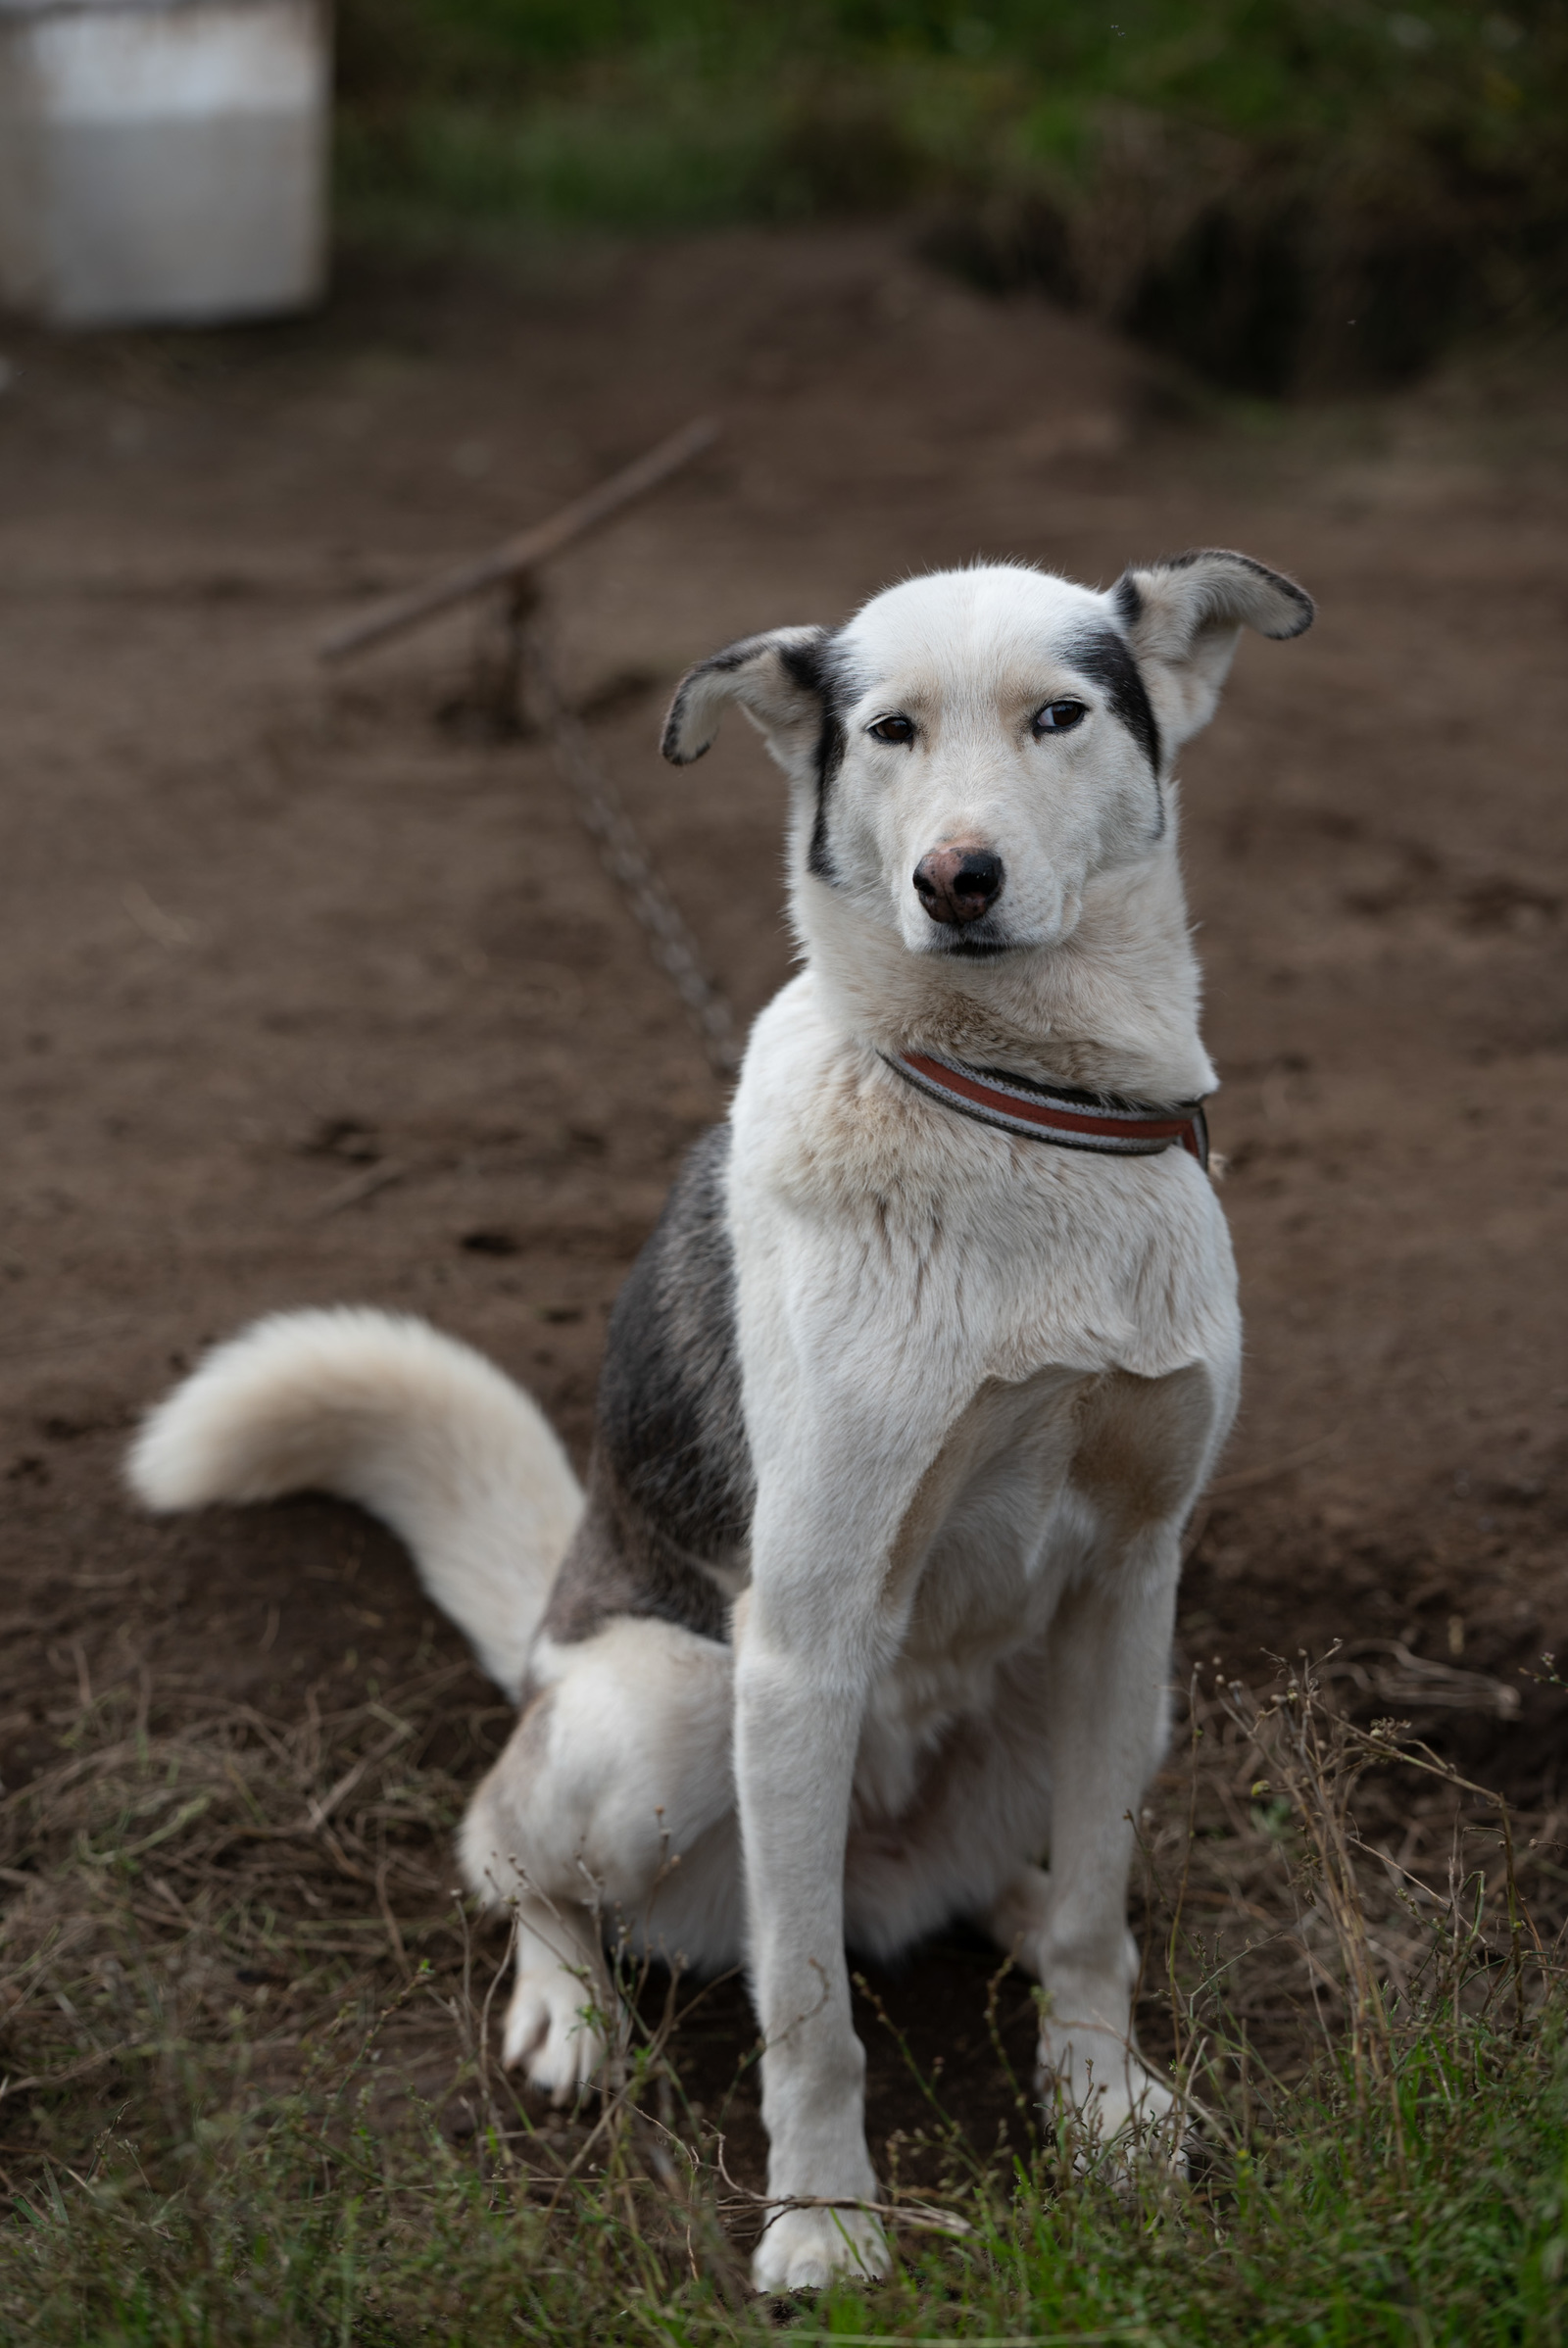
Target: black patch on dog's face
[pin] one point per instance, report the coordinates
(1104, 655)
(670, 1486)
(814, 667)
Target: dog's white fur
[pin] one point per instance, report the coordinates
(983, 1381)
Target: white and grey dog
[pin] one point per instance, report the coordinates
(868, 1604)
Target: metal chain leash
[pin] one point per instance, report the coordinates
(599, 809)
(515, 683)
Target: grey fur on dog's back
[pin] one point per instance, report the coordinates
(669, 1485)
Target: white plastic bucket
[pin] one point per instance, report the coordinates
(163, 161)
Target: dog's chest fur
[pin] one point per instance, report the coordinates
(1078, 1310)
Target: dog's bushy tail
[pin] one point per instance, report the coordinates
(384, 1410)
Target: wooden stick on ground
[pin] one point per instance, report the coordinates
(517, 556)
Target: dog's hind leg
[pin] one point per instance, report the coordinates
(609, 1814)
(983, 1803)
(559, 2015)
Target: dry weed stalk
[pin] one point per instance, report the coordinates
(1314, 1759)
(1392, 1917)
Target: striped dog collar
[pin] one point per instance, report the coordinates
(1056, 1114)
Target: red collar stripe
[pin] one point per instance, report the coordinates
(1117, 1128)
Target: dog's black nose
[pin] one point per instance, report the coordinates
(958, 883)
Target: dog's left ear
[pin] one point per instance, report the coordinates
(1182, 619)
(776, 679)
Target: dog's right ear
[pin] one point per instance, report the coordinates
(776, 679)
(1183, 617)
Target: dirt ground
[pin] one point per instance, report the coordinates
(311, 991)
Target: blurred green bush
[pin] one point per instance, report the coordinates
(1289, 195)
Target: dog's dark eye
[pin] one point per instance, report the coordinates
(892, 729)
(1060, 716)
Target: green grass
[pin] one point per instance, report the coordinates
(252, 2095)
(303, 2222)
(1486, 80)
(1283, 192)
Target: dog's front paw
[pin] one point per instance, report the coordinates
(804, 2249)
(1124, 2112)
(553, 2032)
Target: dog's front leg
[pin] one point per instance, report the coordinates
(808, 1639)
(1108, 1662)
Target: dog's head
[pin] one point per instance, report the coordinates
(976, 746)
